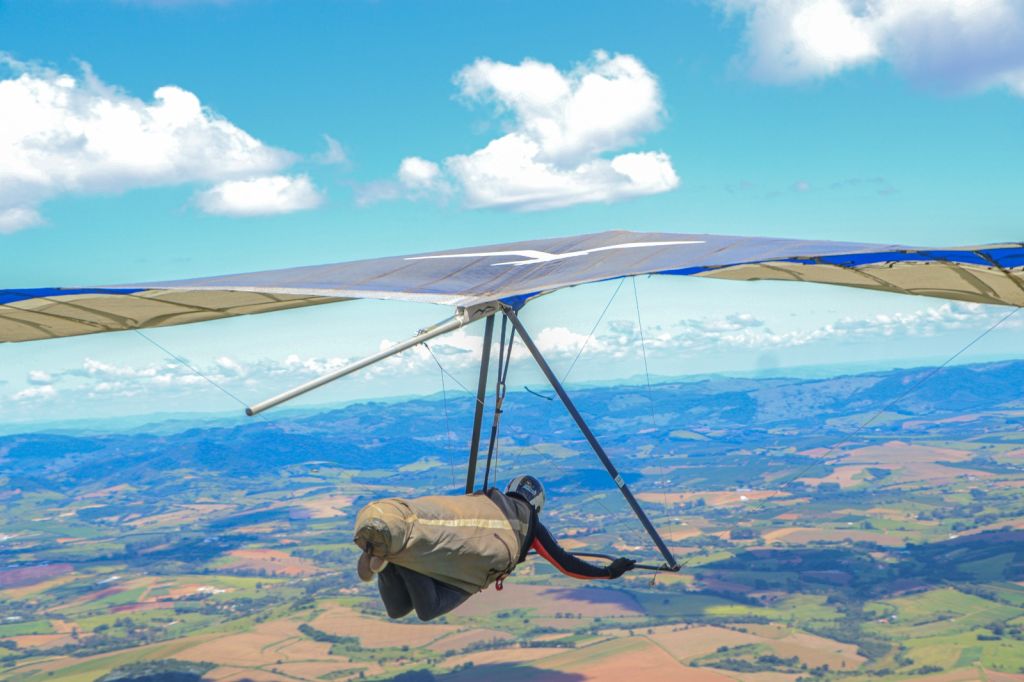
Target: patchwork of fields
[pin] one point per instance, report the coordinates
(897, 555)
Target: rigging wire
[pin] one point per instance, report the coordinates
(650, 396)
(592, 330)
(447, 423)
(184, 363)
(192, 369)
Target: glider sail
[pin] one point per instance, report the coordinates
(486, 281)
(511, 274)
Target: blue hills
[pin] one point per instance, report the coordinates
(678, 418)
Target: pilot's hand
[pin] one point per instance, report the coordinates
(620, 566)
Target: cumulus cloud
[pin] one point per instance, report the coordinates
(417, 178)
(747, 332)
(62, 134)
(268, 195)
(563, 129)
(960, 45)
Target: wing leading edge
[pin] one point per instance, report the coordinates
(517, 272)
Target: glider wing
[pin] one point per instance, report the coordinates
(514, 273)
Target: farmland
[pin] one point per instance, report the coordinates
(896, 552)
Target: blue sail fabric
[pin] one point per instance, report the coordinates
(516, 272)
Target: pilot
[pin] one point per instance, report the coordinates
(433, 553)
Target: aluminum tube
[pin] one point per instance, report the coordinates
(443, 328)
(670, 561)
(478, 412)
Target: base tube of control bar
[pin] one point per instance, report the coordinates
(592, 439)
(448, 325)
(646, 567)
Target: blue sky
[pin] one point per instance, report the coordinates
(329, 131)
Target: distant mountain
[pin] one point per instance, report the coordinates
(736, 412)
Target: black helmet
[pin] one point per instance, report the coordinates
(528, 489)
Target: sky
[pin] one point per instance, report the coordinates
(162, 139)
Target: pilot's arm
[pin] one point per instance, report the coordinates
(574, 567)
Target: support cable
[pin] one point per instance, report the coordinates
(180, 360)
(650, 395)
(184, 363)
(447, 422)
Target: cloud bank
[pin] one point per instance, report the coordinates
(954, 45)
(61, 134)
(460, 352)
(563, 129)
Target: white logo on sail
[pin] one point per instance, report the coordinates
(530, 256)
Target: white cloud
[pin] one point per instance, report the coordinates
(35, 393)
(62, 134)
(961, 45)
(16, 218)
(417, 173)
(334, 155)
(561, 129)
(417, 178)
(270, 195)
(459, 353)
(38, 377)
(560, 340)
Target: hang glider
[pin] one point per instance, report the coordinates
(511, 274)
(496, 281)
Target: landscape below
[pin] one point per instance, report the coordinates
(826, 532)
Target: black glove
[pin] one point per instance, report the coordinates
(620, 566)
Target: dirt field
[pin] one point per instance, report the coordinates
(41, 641)
(498, 656)
(461, 640)
(845, 476)
(273, 561)
(632, 658)
(686, 644)
(547, 601)
(801, 536)
(693, 642)
(231, 674)
(31, 575)
(900, 454)
(180, 516)
(379, 633)
(327, 506)
(816, 651)
(37, 588)
(266, 644)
